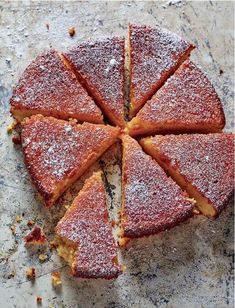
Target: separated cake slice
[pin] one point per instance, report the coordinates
(84, 235)
(49, 87)
(57, 152)
(203, 165)
(155, 53)
(187, 102)
(100, 67)
(151, 201)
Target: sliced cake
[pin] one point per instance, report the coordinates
(187, 102)
(49, 87)
(99, 65)
(201, 164)
(151, 201)
(155, 53)
(84, 235)
(57, 152)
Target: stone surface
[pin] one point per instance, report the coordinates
(189, 266)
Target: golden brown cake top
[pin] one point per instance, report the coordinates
(152, 202)
(86, 225)
(206, 161)
(187, 98)
(155, 53)
(55, 150)
(48, 86)
(100, 66)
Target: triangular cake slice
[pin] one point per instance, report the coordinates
(155, 53)
(57, 152)
(151, 201)
(187, 102)
(100, 67)
(201, 164)
(49, 87)
(84, 235)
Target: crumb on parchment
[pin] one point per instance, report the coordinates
(55, 279)
(35, 236)
(30, 273)
(42, 257)
(72, 31)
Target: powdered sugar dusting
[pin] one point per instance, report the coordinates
(187, 100)
(86, 225)
(100, 65)
(55, 150)
(152, 201)
(206, 161)
(155, 54)
(49, 87)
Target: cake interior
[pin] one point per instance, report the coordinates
(66, 249)
(202, 203)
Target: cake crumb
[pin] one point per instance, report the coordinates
(221, 71)
(42, 257)
(31, 273)
(16, 139)
(72, 31)
(18, 219)
(13, 229)
(39, 300)
(55, 279)
(35, 236)
(47, 26)
(30, 222)
(11, 127)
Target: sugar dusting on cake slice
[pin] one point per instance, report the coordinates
(99, 65)
(58, 152)
(201, 164)
(155, 53)
(84, 235)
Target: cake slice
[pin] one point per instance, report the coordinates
(49, 87)
(155, 53)
(203, 165)
(84, 235)
(187, 102)
(100, 67)
(57, 152)
(151, 201)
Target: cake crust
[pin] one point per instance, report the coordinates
(99, 66)
(57, 152)
(202, 164)
(155, 53)
(187, 102)
(151, 202)
(86, 227)
(49, 87)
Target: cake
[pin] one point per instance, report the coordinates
(187, 102)
(84, 235)
(151, 201)
(49, 87)
(202, 164)
(155, 53)
(57, 152)
(99, 66)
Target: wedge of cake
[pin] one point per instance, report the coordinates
(201, 164)
(84, 235)
(100, 67)
(49, 87)
(155, 53)
(57, 152)
(187, 102)
(151, 201)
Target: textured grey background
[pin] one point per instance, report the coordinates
(189, 266)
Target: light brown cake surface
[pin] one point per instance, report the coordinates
(155, 53)
(84, 234)
(201, 164)
(49, 87)
(100, 67)
(187, 102)
(151, 202)
(57, 152)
